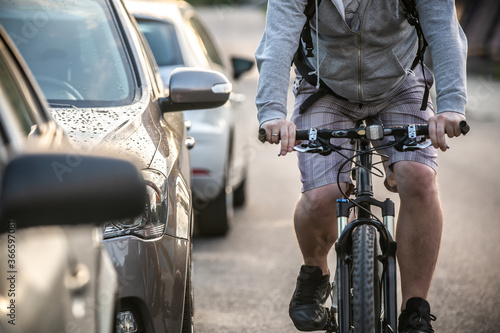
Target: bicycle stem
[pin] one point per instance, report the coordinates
(363, 175)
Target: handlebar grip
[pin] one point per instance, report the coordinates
(424, 130)
(262, 135)
(302, 135)
(464, 127)
(299, 135)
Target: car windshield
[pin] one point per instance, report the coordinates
(73, 49)
(163, 41)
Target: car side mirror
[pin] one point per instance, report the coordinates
(193, 88)
(67, 189)
(240, 66)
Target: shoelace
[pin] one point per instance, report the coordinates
(421, 319)
(307, 293)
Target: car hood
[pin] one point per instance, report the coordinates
(115, 130)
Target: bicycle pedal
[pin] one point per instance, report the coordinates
(331, 325)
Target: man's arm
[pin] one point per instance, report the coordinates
(448, 47)
(284, 22)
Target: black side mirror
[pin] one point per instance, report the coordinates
(192, 88)
(63, 189)
(240, 66)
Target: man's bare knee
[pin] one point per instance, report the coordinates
(414, 178)
(321, 201)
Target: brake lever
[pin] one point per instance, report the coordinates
(419, 146)
(308, 149)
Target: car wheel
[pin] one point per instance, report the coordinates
(239, 196)
(188, 316)
(216, 217)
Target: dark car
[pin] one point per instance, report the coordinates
(50, 198)
(103, 86)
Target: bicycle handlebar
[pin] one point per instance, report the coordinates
(370, 132)
(406, 137)
(375, 132)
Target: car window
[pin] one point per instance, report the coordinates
(206, 41)
(74, 50)
(152, 69)
(13, 96)
(163, 42)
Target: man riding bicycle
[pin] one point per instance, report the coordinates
(363, 61)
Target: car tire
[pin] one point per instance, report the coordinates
(216, 218)
(240, 196)
(188, 316)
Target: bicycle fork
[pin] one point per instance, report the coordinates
(343, 247)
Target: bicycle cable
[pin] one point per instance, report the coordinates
(352, 160)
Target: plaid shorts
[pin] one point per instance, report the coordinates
(402, 108)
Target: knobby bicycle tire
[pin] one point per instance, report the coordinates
(365, 281)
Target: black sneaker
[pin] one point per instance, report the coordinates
(416, 318)
(307, 309)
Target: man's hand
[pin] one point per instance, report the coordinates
(444, 123)
(281, 130)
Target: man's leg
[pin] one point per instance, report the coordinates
(315, 212)
(419, 227)
(316, 230)
(315, 222)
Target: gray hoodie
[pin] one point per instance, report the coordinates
(364, 66)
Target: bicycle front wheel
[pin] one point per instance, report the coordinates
(365, 281)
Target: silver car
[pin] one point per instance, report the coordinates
(178, 38)
(103, 87)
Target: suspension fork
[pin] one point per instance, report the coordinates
(343, 248)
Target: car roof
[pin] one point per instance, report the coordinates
(160, 9)
(177, 13)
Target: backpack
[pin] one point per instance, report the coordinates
(309, 74)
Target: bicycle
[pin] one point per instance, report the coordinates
(365, 279)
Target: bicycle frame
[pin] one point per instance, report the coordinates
(406, 139)
(364, 198)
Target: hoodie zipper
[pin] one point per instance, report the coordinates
(359, 65)
(360, 97)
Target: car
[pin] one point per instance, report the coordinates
(179, 38)
(50, 198)
(103, 87)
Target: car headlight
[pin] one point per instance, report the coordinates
(151, 223)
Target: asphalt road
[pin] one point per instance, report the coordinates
(243, 282)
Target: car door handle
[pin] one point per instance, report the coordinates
(190, 141)
(237, 98)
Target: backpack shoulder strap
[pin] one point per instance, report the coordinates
(299, 59)
(310, 8)
(410, 6)
(309, 11)
(413, 19)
